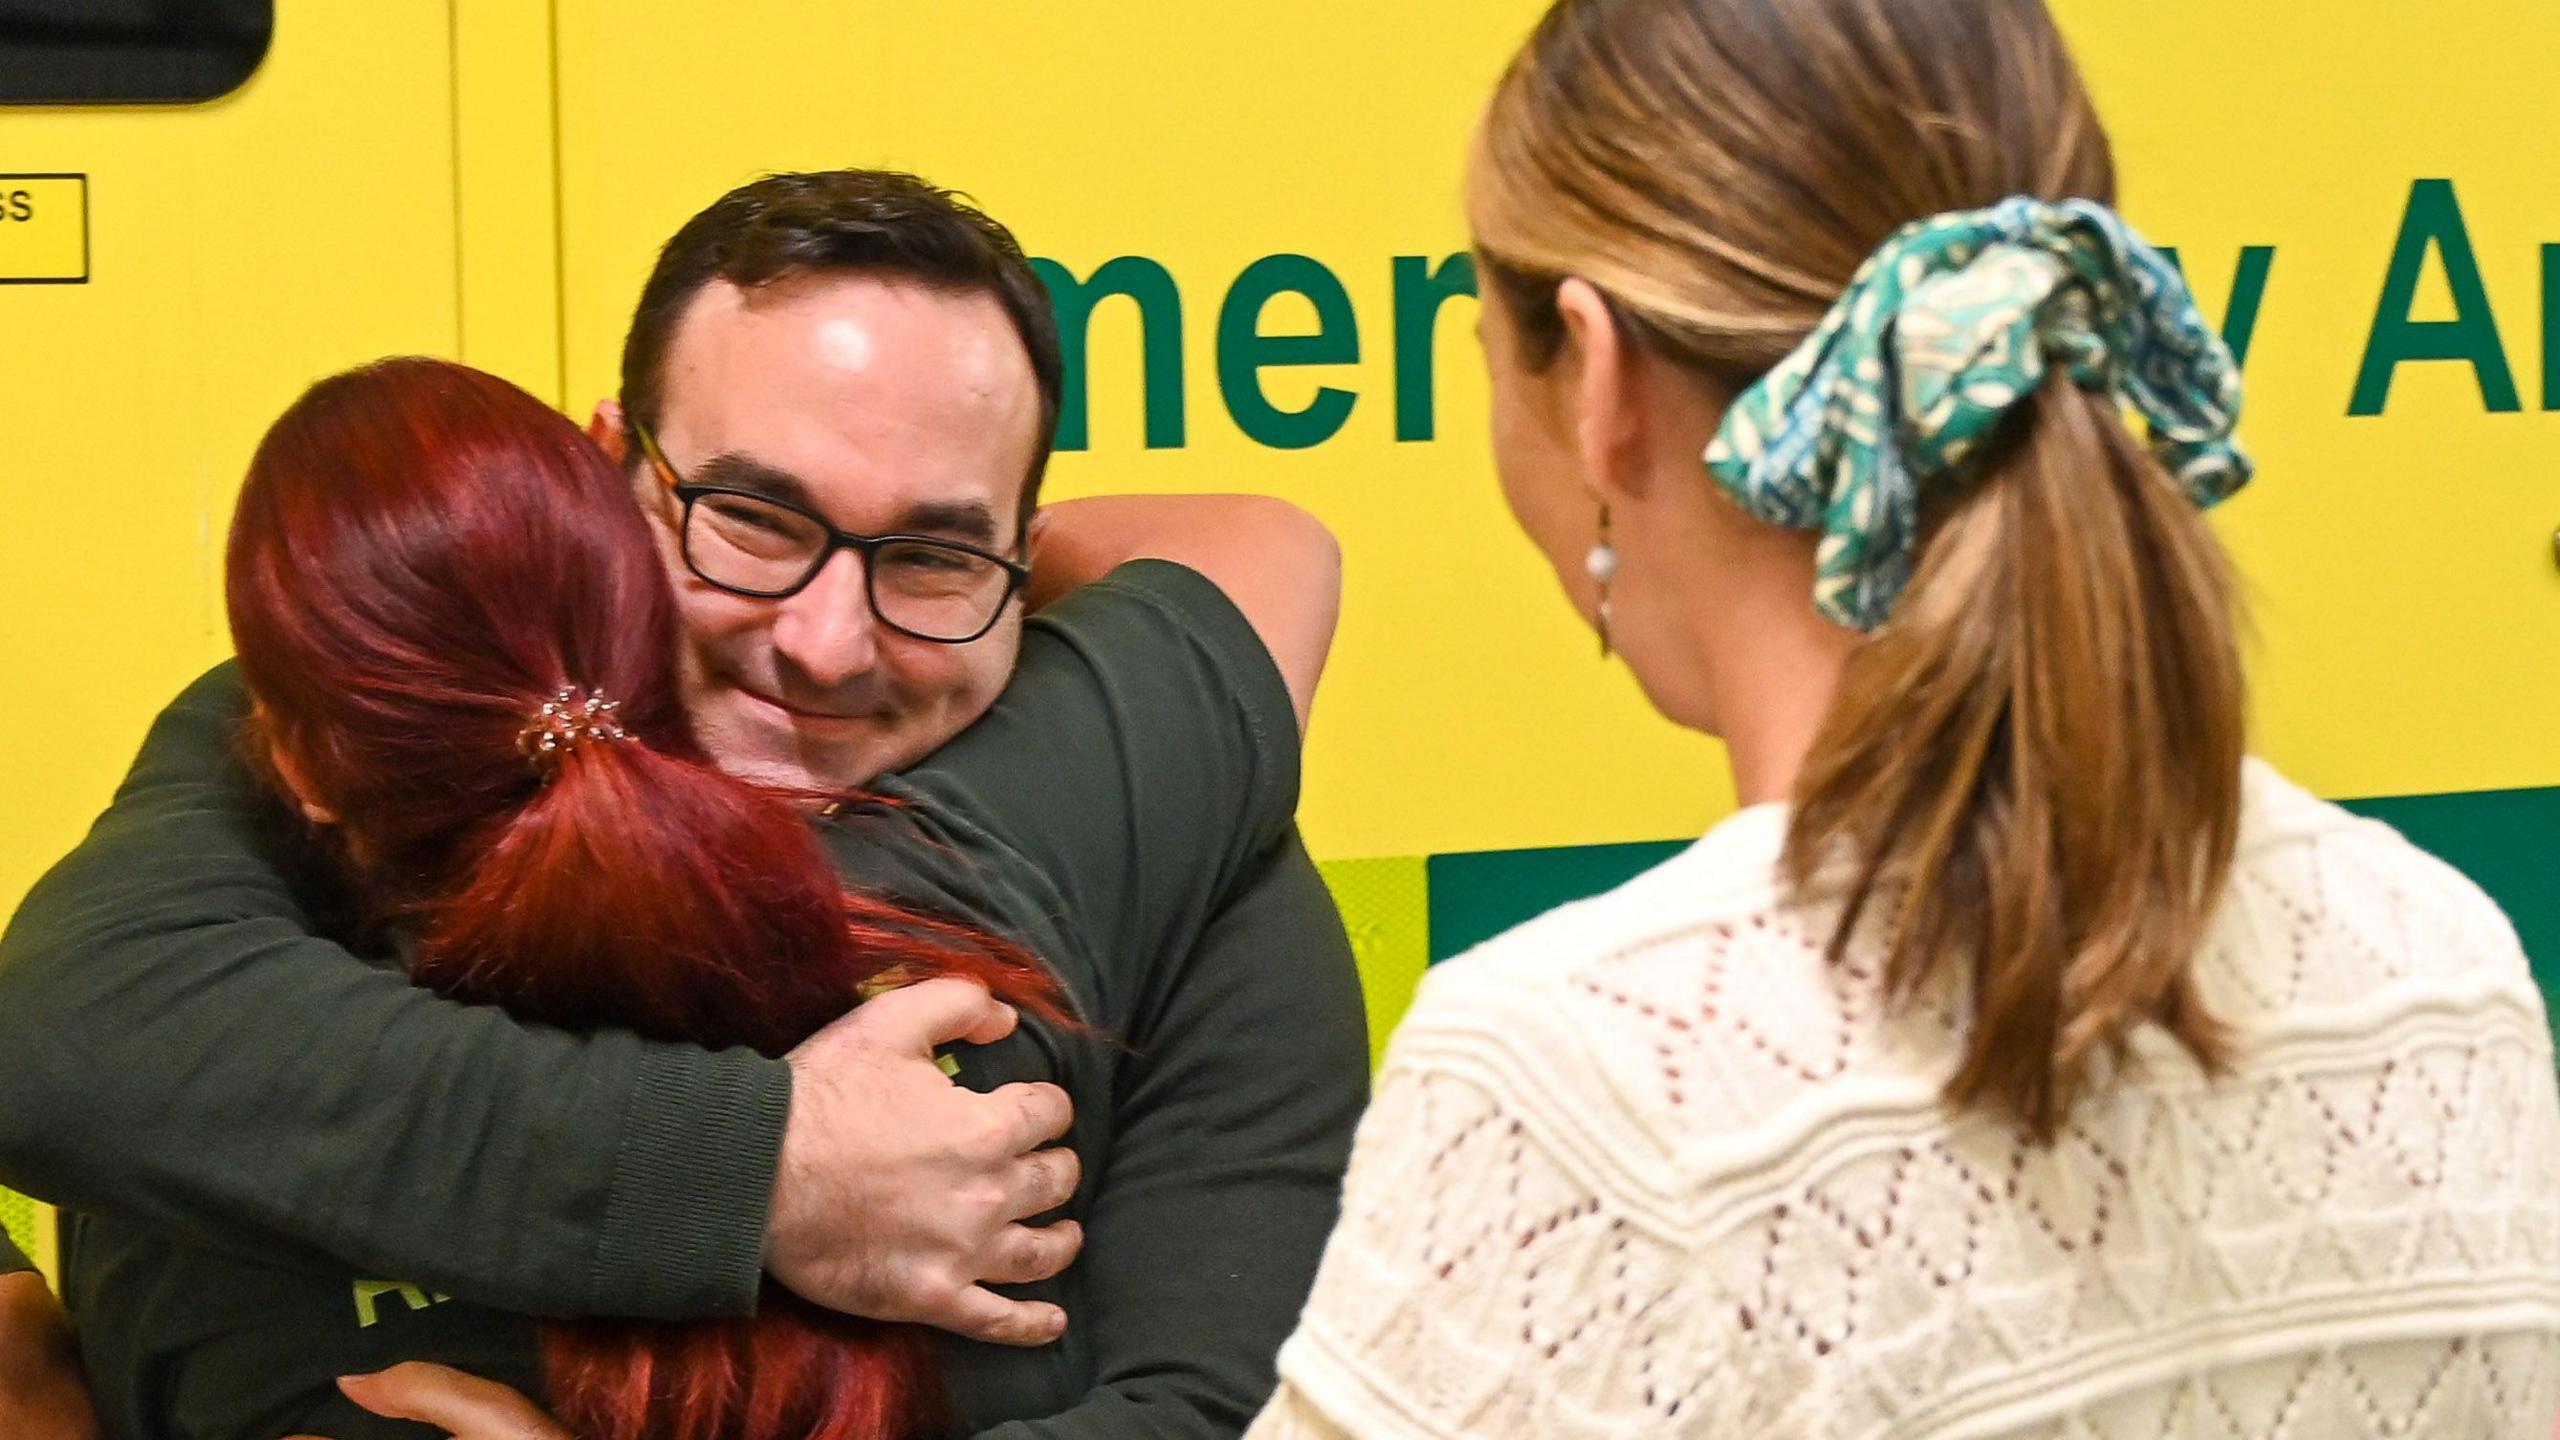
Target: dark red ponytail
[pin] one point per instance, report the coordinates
(424, 554)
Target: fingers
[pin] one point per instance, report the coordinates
(1021, 1254)
(1040, 1115)
(981, 1314)
(466, 1405)
(1043, 1181)
(999, 1023)
(914, 1019)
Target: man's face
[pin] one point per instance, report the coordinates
(886, 407)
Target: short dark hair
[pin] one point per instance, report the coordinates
(877, 222)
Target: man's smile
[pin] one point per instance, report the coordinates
(800, 716)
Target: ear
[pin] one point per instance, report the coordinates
(291, 774)
(1607, 428)
(605, 428)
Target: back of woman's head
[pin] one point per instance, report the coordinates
(460, 640)
(2030, 771)
(1721, 168)
(420, 556)
(425, 556)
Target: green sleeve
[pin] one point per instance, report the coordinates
(1245, 1075)
(183, 1050)
(1144, 759)
(13, 1261)
(1143, 752)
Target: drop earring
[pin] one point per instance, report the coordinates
(1602, 565)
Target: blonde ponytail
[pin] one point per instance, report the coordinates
(2033, 768)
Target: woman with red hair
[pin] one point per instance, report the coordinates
(461, 647)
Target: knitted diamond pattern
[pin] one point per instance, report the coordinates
(1648, 1166)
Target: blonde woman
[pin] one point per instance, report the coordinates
(2022, 1060)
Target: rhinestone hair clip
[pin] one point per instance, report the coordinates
(572, 717)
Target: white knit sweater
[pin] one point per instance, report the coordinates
(1647, 1166)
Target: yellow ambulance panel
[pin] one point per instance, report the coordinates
(1250, 216)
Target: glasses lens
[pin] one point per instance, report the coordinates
(940, 592)
(750, 544)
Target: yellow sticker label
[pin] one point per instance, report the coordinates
(44, 229)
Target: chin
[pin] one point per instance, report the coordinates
(844, 765)
(782, 772)
(739, 743)
(852, 772)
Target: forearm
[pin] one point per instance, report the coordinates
(182, 1050)
(283, 1099)
(1278, 563)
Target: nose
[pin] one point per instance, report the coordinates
(827, 631)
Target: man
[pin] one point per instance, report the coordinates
(865, 353)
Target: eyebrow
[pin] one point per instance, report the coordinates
(970, 521)
(730, 470)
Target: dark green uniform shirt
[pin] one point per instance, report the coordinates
(13, 1261)
(257, 1113)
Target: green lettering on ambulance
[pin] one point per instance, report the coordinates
(1159, 302)
(2434, 220)
(2551, 327)
(2248, 291)
(1244, 352)
(1420, 292)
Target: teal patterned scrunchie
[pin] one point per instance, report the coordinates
(1942, 332)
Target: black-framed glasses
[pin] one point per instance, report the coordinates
(753, 544)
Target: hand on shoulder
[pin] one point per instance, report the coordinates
(941, 1176)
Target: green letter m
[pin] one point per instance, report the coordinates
(1160, 340)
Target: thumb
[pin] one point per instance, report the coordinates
(466, 1405)
(914, 1019)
